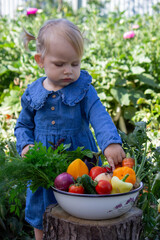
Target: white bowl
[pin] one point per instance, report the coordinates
(95, 206)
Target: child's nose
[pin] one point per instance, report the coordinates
(68, 69)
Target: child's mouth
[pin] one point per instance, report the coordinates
(67, 79)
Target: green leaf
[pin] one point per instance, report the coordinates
(149, 91)
(137, 70)
(3, 70)
(147, 79)
(135, 95)
(156, 185)
(142, 59)
(12, 208)
(129, 112)
(87, 153)
(124, 68)
(121, 95)
(141, 101)
(102, 96)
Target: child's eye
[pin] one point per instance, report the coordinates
(58, 64)
(75, 64)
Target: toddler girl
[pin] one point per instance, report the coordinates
(62, 104)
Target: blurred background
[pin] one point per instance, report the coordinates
(9, 7)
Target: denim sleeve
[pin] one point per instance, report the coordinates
(105, 131)
(24, 129)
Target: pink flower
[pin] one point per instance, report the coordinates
(136, 26)
(31, 11)
(128, 35)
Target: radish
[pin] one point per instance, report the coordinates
(103, 176)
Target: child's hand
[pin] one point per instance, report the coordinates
(25, 149)
(114, 154)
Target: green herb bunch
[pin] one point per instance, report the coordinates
(40, 166)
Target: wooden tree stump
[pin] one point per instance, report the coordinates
(59, 225)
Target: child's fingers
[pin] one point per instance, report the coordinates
(111, 163)
(120, 157)
(123, 154)
(25, 149)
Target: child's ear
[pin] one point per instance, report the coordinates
(39, 60)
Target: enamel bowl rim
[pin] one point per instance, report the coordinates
(98, 195)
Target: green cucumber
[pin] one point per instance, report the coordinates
(88, 184)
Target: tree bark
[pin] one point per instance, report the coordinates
(59, 225)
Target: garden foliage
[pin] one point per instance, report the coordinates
(126, 75)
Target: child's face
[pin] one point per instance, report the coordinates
(61, 64)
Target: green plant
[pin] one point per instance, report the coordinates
(149, 111)
(122, 69)
(147, 159)
(12, 204)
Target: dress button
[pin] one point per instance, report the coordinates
(54, 96)
(52, 108)
(53, 122)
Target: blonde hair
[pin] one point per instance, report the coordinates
(63, 28)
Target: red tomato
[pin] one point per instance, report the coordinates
(108, 169)
(95, 171)
(74, 188)
(103, 187)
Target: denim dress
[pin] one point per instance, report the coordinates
(50, 116)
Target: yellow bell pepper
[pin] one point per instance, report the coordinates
(120, 186)
(77, 168)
